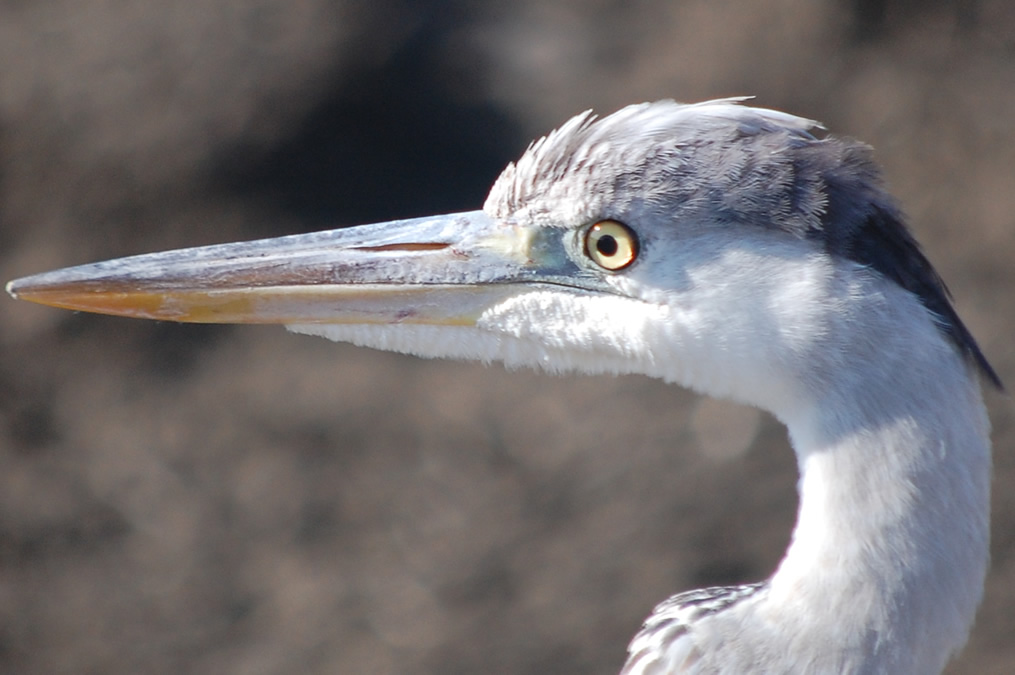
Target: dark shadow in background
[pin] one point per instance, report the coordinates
(394, 141)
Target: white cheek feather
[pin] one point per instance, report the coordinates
(556, 331)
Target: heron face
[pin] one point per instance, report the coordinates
(462, 285)
(598, 251)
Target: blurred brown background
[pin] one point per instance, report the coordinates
(239, 500)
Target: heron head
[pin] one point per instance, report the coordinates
(689, 242)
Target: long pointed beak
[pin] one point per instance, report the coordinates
(437, 270)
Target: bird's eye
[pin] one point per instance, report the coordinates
(611, 245)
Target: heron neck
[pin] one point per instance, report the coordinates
(891, 542)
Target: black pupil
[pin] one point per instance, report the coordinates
(607, 245)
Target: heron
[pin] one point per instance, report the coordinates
(735, 250)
